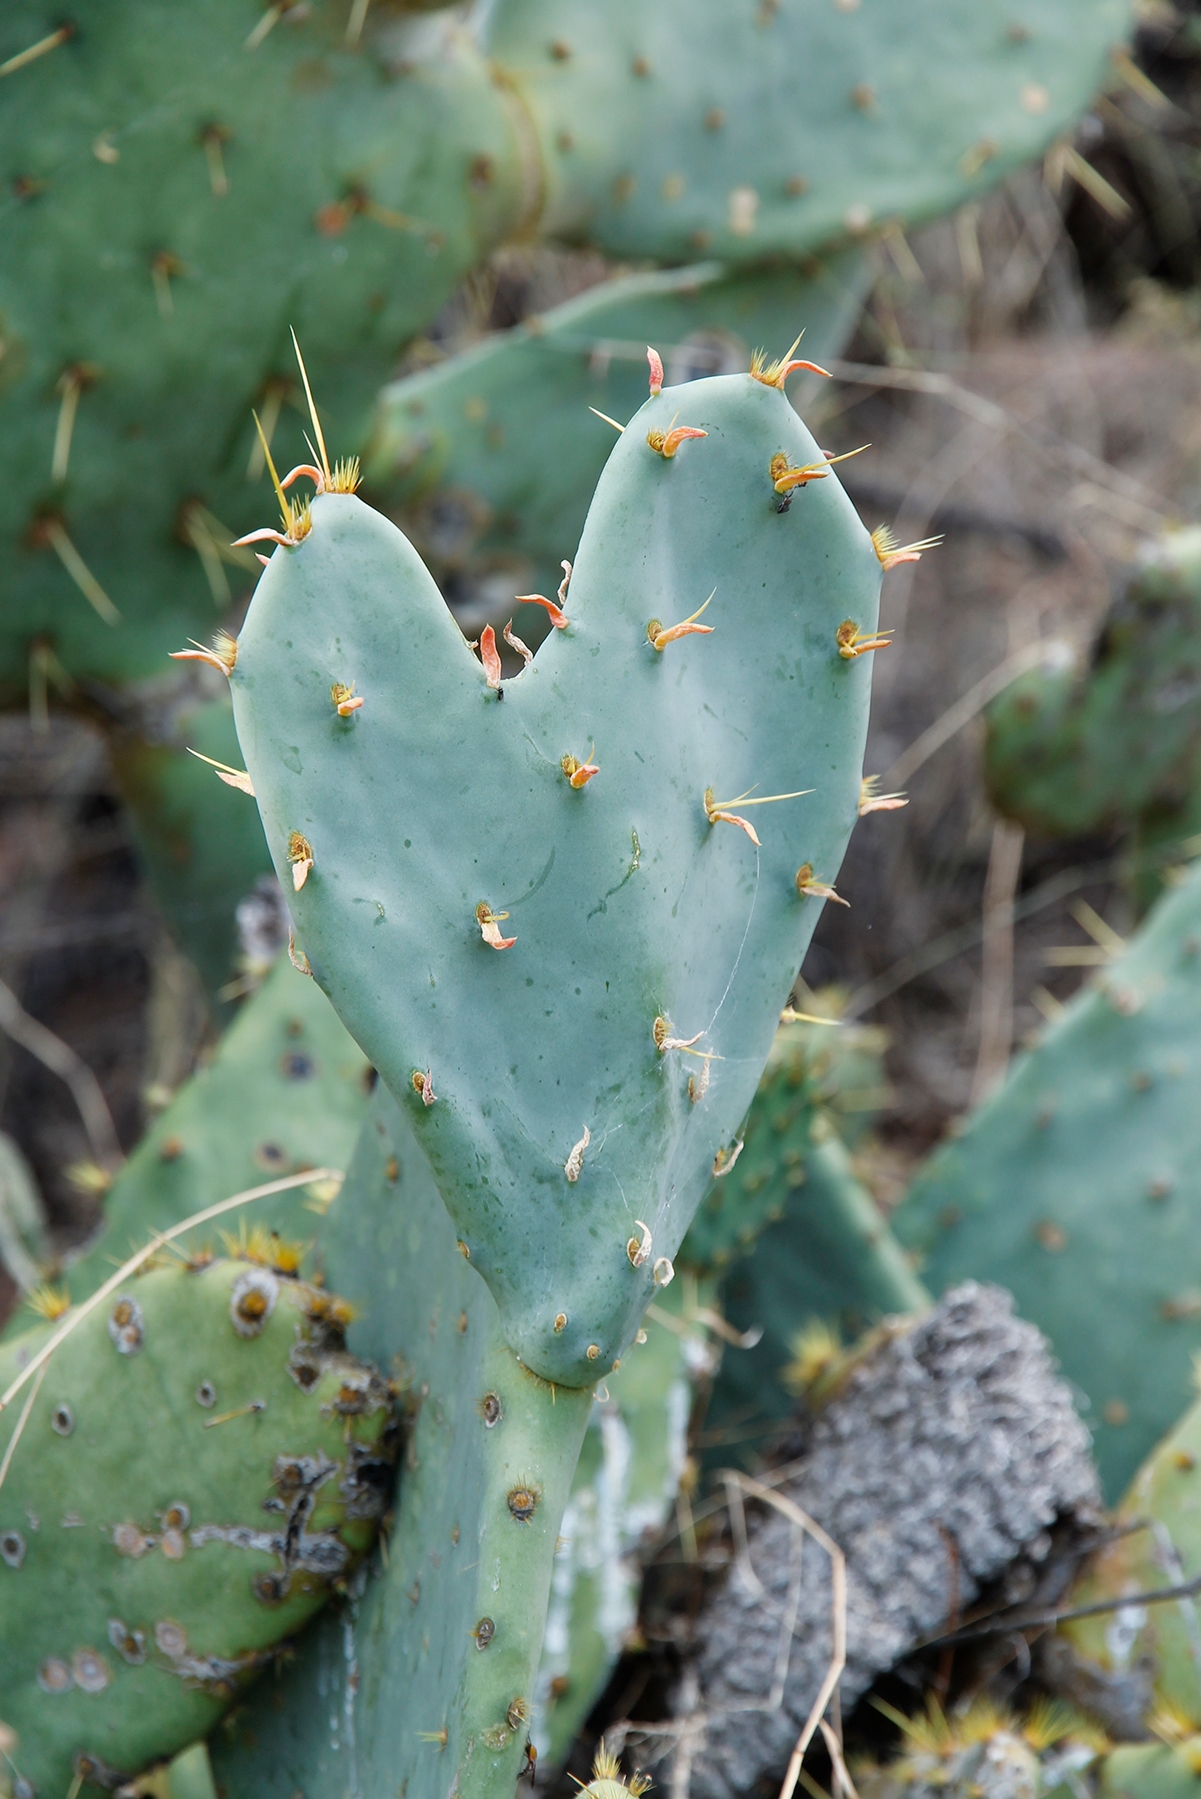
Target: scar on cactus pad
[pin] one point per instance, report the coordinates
(431, 798)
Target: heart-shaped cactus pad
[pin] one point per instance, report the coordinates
(571, 979)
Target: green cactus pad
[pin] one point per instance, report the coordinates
(1074, 751)
(634, 916)
(1152, 1771)
(426, 1679)
(1160, 1547)
(1076, 1186)
(493, 454)
(754, 130)
(201, 1463)
(175, 199)
(286, 1090)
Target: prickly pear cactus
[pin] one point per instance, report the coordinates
(427, 1677)
(201, 1463)
(1076, 1187)
(1159, 1546)
(493, 455)
(576, 1073)
(286, 1090)
(368, 161)
(1169, 1770)
(1071, 751)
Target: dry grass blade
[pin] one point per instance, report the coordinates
(22, 1421)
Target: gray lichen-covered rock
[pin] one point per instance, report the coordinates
(948, 1452)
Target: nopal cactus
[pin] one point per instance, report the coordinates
(199, 1463)
(540, 904)
(181, 184)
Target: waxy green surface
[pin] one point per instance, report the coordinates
(626, 903)
(154, 1546)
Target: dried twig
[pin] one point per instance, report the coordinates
(22, 1421)
(996, 974)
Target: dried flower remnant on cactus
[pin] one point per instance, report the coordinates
(853, 642)
(890, 552)
(300, 855)
(222, 656)
(344, 700)
(660, 635)
(579, 773)
(809, 887)
(666, 443)
(489, 923)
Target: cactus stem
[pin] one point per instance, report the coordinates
(489, 923)
(343, 699)
(659, 635)
(42, 48)
(53, 532)
(423, 1083)
(871, 801)
(639, 1248)
(666, 443)
(604, 415)
(725, 1159)
(233, 777)
(575, 1161)
(579, 773)
(775, 374)
(515, 643)
(252, 1407)
(656, 367)
(852, 642)
(558, 617)
(810, 888)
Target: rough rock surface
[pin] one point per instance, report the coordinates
(949, 1452)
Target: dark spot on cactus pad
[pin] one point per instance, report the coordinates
(252, 1301)
(523, 1503)
(62, 1420)
(90, 1768)
(170, 1149)
(483, 1633)
(271, 1589)
(176, 1517)
(490, 1409)
(271, 1156)
(206, 1394)
(129, 1644)
(296, 1066)
(12, 1548)
(126, 1325)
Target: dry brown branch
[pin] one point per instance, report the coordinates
(61, 1060)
